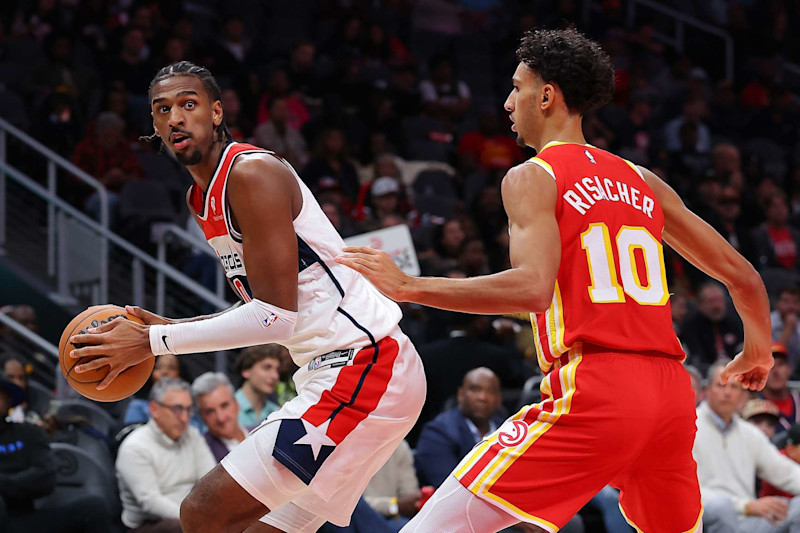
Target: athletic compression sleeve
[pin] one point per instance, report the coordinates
(253, 323)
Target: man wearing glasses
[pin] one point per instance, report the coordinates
(159, 462)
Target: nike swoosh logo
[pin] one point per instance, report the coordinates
(164, 340)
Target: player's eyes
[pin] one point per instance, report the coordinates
(190, 104)
(163, 109)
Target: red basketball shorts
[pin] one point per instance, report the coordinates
(627, 420)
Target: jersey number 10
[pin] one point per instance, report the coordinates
(605, 288)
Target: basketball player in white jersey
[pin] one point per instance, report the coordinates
(360, 384)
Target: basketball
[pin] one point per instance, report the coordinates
(127, 383)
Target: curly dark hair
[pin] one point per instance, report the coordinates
(567, 58)
(187, 68)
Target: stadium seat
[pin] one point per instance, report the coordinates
(145, 200)
(776, 279)
(434, 183)
(530, 392)
(441, 206)
(78, 473)
(82, 437)
(39, 397)
(98, 418)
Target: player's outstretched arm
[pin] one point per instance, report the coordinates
(263, 196)
(150, 318)
(529, 196)
(706, 249)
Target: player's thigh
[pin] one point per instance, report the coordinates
(218, 503)
(660, 492)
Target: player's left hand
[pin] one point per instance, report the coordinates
(119, 344)
(752, 373)
(378, 268)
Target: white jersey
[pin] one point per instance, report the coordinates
(337, 307)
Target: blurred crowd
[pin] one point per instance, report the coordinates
(391, 112)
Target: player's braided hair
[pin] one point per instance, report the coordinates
(187, 68)
(567, 58)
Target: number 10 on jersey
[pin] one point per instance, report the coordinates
(605, 287)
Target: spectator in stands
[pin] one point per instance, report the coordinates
(777, 244)
(159, 462)
(132, 67)
(384, 200)
(25, 315)
(234, 118)
(790, 450)
(446, 439)
(27, 473)
(729, 453)
(443, 95)
(107, 156)
(712, 333)
(449, 436)
(697, 384)
(448, 240)
(279, 86)
(232, 53)
(258, 366)
(275, 134)
(763, 414)
(473, 260)
(394, 490)
(219, 410)
(34, 412)
(778, 392)
(447, 361)
(785, 323)
(694, 112)
(138, 411)
(487, 147)
(343, 224)
(726, 166)
(332, 160)
(728, 222)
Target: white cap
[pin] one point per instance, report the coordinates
(385, 185)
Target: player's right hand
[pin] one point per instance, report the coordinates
(146, 316)
(749, 370)
(772, 508)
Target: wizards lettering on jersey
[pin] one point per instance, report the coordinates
(230, 261)
(591, 190)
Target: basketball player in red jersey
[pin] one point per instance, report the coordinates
(586, 230)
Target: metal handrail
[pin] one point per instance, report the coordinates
(62, 388)
(30, 335)
(191, 240)
(682, 18)
(167, 269)
(61, 162)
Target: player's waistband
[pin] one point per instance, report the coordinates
(333, 359)
(584, 348)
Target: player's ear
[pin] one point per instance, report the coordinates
(548, 96)
(216, 110)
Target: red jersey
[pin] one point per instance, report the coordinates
(611, 288)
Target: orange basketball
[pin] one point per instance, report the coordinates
(127, 383)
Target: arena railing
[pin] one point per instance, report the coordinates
(65, 216)
(53, 162)
(35, 351)
(169, 233)
(680, 20)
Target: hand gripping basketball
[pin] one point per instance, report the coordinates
(119, 344)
